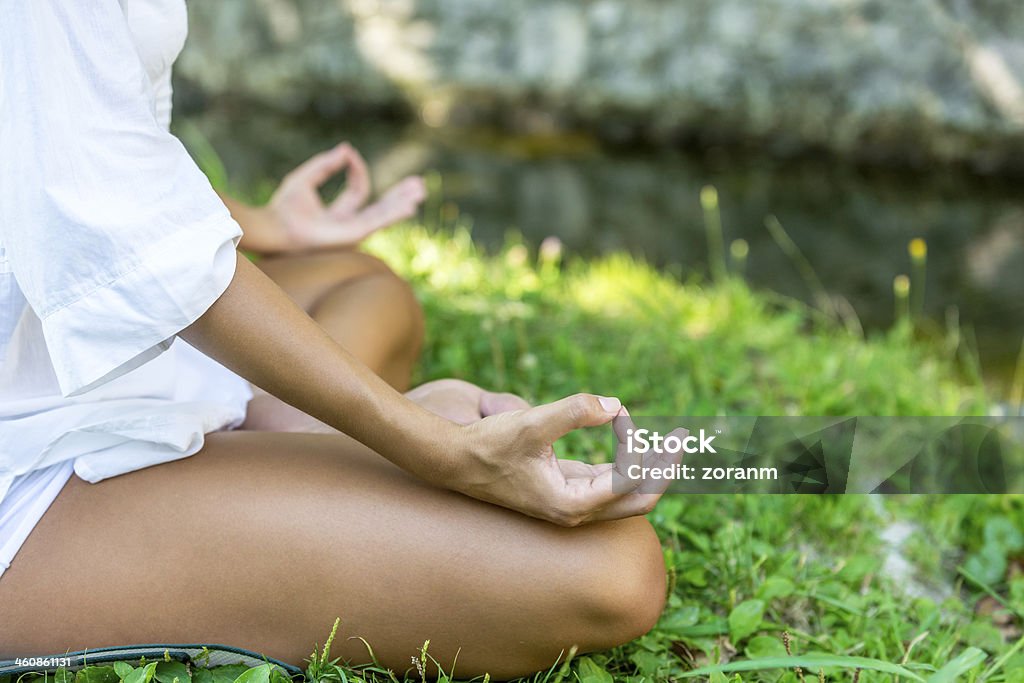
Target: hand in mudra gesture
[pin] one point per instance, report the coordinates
(307, 222)
(511, 459)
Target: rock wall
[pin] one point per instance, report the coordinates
(905, 81)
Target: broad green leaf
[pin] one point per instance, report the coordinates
(760, 647)
(988, 565)
(123, 669)
(200, 675)
(228, 673)
(62, 675)
(166, 672)
(257, 674)
(97, 674)
(647, 663)
(680, 618)
(591, 672)
(716, 627)
(745, 618)
(968, 659)
(775, 587)
(1002, 533)
(811, 661)
(143, 674)
(695, 576)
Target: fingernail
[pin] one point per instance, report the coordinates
(623, 411)
(610, 404)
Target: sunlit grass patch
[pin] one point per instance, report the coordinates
(616, 325)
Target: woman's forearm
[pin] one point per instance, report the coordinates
(258, 332)
(260, 232)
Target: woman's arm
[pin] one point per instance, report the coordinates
(297, 219)
(255, 329)
(507, 459)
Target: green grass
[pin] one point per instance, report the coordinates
(617, 326)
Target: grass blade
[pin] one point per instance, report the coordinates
(988, 590)
(802, 265)
(999, 663)
(810, 661)
(968, 659)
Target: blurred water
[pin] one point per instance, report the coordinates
(852, 224)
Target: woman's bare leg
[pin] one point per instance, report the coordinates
(363, 305)
(262, 539)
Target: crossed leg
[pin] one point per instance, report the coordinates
(261, 539)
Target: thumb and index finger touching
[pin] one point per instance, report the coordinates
(319, 168)
(610, 493)
(555, 420)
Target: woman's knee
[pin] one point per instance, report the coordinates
(623, 591)
(404, 310)
(367, 279)
(359, 263)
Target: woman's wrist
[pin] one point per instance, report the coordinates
(441, 452)
(433, 448)
(403, 432)
(262, 230)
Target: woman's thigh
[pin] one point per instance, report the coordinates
(262, 539)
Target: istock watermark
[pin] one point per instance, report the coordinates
(815, 455)
(643, 440)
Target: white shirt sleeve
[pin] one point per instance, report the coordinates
(114, 236)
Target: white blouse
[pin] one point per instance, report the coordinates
(111, 242)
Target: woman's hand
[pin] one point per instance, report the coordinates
(511, 462)
(296, 218)
(567, 492)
